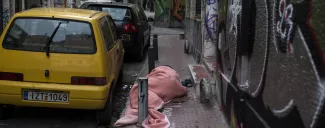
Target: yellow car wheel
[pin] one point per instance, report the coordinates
(104, 115)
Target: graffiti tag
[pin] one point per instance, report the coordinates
(284, 26)
(211, 20)
(234, 9)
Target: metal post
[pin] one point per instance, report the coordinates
(142, 99)
(151, 58)
(155, 46)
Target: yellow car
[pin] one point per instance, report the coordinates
(60, 58)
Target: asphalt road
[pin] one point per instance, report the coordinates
(28, 117)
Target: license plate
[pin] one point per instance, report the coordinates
(46, 96)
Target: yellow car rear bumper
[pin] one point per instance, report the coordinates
(73, 103)
(80, 96)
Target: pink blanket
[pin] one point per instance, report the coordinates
(164, 85)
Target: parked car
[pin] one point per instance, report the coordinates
(130, 19)
(60, 58)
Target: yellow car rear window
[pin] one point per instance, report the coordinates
(33, 34)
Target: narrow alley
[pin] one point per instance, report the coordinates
(241, 63)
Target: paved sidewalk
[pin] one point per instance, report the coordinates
(191, 113)
(166, 31)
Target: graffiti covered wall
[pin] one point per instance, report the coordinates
(210, 19)
(169, 13)
(35, 3)
(9, 7)
(210, 27)
(59, 3)
(271, 63)
(8, 10)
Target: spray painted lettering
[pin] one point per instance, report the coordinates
(284, 26)
(211, 20)
(292, 93)
(234, 10)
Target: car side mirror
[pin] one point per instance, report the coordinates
(150, 19)
(125, 37)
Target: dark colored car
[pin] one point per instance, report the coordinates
(131, 20)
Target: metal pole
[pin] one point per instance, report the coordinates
(155, 46)
(142, 99)
(151, 58)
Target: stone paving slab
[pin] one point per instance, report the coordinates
(193, 114)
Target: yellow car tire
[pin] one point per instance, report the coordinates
(104, 115)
